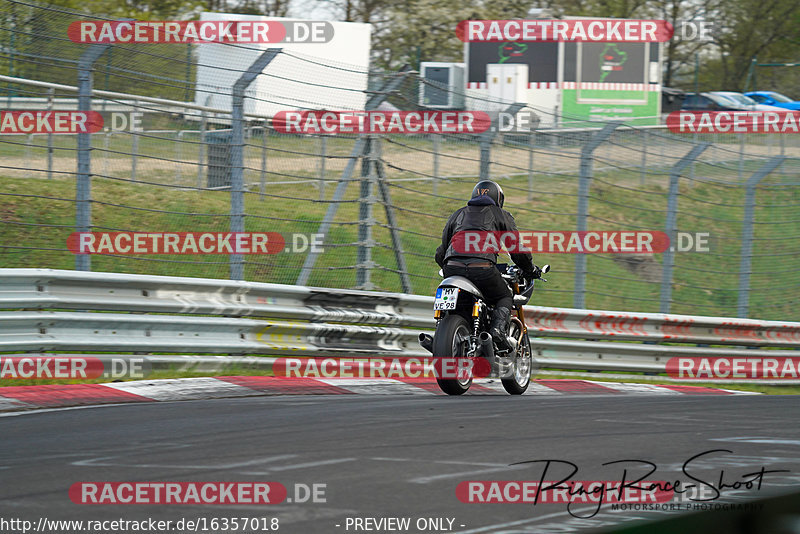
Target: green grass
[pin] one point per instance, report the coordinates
(704, 283)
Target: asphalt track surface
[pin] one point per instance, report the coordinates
(391, 456)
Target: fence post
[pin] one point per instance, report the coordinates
(202, 144)
(323, 153)
(646, 134)
(486, 152)
(366, 199)
(83, 210)
(745, 261)
(134, 147)
(357, 152)
(50, 95)
(263, 186)
(179, 157)
(237, 152)
(671, 224)
(397, 242)
(106, 145)
(436, 140)
(714, 148)
(741, 155)
(488, 136)
(587, 158)
(531, 145)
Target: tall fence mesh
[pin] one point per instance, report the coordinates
(380, 200)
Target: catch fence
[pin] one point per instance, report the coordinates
(208, 158)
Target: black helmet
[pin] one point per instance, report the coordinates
(490, 189)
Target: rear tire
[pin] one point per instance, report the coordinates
(522, 367)
(452, 341)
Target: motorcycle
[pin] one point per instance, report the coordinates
(462, 323)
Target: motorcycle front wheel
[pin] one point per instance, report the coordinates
(521, 367)
(452, 341)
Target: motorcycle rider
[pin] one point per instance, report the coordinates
(484, 212)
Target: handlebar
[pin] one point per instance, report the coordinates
(512, 273)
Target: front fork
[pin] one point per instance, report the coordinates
(524, 329)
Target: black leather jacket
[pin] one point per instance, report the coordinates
(480, 213)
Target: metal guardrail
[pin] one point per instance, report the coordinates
(52, 310)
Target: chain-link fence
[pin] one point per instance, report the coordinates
(197, 162)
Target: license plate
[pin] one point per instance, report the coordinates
(446, 298)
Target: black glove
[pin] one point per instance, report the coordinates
(534, 274)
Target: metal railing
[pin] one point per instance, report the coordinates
(68, 311)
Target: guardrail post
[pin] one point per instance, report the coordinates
(672, 222)
(587, 158)
(364, 263)
(83, 198)
(745, 260)
(237, 151)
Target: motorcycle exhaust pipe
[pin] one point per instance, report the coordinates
(427, 342)
(485, 341)
(487, 347)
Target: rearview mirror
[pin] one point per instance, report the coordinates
(546, 269)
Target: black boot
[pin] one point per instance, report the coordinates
(501, 319)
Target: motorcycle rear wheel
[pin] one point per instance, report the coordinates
(452, 341)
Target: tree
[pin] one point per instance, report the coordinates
(766, 29)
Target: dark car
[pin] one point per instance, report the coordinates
(671, 99)
(708, 102)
